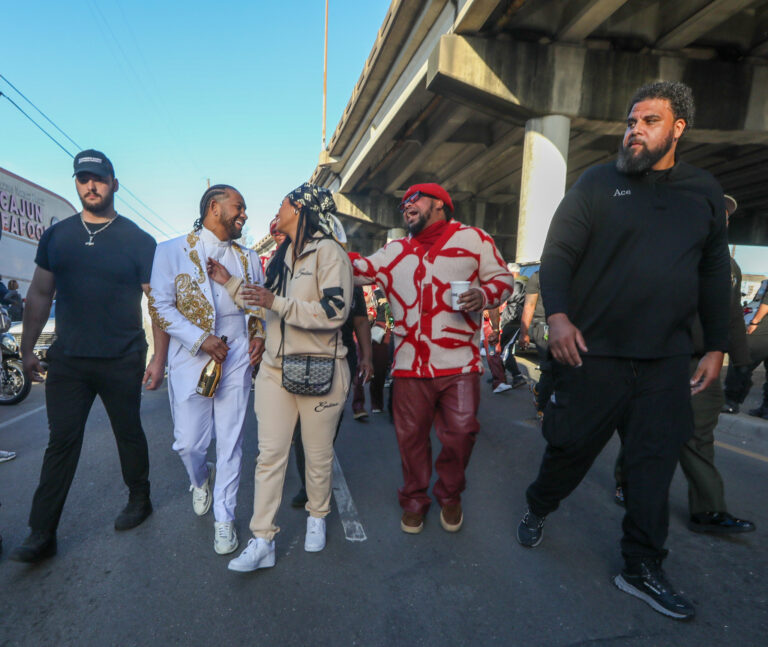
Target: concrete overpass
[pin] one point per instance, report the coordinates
(507, 102)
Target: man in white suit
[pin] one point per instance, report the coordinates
(195, 313)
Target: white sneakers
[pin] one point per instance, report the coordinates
(314, 541)
(224, 537)
(259, 553)
(502, 387)
(202, 497)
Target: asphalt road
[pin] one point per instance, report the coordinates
(162, 584)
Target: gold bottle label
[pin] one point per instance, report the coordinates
(209, 380)
(210, 377)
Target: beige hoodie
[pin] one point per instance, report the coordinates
(315, 303)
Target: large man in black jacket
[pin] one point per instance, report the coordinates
(619, 328)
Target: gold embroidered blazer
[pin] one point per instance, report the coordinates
(180, 298)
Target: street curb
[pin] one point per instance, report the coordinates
(741, 425)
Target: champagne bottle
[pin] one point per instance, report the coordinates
(209, 378)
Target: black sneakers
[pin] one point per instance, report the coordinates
(530, 531)
(133, 514)
(760, 412)
(38, 546)
(719, 523)
(730, 407)
(651, 585)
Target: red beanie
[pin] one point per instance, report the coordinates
(433, 190)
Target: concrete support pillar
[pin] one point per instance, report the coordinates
(545, 155)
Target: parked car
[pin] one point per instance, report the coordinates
(751, 308)
(47, 336)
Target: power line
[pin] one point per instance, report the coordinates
(48, 119)
(55, 141)
(45, 132)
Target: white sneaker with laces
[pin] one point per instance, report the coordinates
(502, 387)
(6, 456)
(225, 537)
(259, 553)
(314, 541)
(202, 497)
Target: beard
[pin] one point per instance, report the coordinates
(637, 163)
(416, 228)
(233, 231)
(104, 204)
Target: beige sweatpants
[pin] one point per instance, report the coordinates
(277, 411)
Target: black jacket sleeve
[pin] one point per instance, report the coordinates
(714, 280)
(566, 240)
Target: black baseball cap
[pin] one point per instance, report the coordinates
(93, 161)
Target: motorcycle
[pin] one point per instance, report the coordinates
(14, 385)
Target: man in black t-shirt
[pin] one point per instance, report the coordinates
(97, 263)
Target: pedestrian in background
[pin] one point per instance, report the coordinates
(378, 337)
(97, 262)
(14, 301)
(738, 379)
(619, 328)
(533, 327)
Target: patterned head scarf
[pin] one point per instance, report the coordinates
(320, 202)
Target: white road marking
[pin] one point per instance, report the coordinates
(7, 423)
(353, 529)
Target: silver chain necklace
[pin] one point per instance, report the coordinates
(91, 234)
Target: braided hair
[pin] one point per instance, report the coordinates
(212, 193)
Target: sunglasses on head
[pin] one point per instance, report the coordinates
(414, 197)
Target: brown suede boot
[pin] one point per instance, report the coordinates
(412, 522)
(451, 517)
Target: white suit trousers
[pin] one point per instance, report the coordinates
(197, 420)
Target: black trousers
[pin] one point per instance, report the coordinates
(70, 389)
(738, 381)
(649, 403)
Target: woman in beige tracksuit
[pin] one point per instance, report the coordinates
(309, 287)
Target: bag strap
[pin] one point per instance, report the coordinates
(282, 331)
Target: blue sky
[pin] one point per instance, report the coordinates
(179, 93)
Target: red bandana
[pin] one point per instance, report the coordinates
(430, 235)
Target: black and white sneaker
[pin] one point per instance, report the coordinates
(652, 587)
(530, 530)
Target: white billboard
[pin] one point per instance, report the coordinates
(26, 211)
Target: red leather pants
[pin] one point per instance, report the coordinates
(450, 403)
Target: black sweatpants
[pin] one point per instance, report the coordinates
(70, 389)
(649, 402)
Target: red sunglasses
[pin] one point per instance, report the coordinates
(414, 197)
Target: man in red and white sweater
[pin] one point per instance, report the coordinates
(437, 362)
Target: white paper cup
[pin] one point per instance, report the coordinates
(458, 288)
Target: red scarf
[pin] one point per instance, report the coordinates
(430, 235)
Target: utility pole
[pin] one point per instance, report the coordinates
(325, 71)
